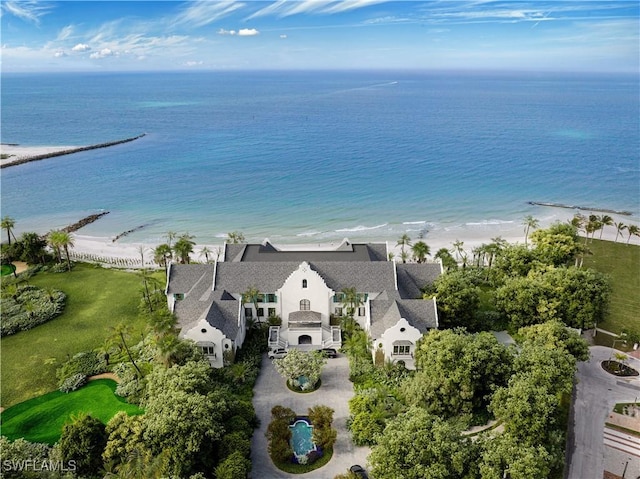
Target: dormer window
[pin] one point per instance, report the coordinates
(305, 305)
(304, 283)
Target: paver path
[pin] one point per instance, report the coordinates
(336, 390)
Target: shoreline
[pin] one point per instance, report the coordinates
(18, 155)
(128, 255)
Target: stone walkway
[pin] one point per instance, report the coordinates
(336, 390)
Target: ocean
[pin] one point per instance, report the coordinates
(318, 156)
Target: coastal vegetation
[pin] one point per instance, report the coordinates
(189, 419)
(25, 306)
(96, 300)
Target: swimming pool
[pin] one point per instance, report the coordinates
(302, 437)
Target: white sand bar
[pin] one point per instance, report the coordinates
(17, 152)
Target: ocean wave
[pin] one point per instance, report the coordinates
(414, 222)
(490, 223)
(309, 233)
(361, 228)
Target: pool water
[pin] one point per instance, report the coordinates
(301, 437)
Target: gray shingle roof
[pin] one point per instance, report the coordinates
(223, 314)
(419, 313)
(413, 276)
(346, 251)
(182, 277)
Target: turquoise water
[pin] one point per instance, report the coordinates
(318, 156)
(301, 437)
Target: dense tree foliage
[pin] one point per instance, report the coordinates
(418, 445)
(83, 441)
(457, 372)
(577, 297)
(457, 298)
(556, 245)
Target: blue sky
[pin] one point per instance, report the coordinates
(540, 35)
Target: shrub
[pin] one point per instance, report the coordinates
(73, 382)
(22, 450)
(87, 363)
(130, 385)
(25, 307)
(235, 442)
(236, 466)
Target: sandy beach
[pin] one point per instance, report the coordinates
(128, 255)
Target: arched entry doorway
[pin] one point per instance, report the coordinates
(304, 339)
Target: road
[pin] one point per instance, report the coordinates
(595, 394)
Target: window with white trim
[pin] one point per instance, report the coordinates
(401, 350)
(305, 305)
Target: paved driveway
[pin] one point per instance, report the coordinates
(596, 393)
(336, 390)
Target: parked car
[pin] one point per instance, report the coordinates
(330, 352)
(277, 353)
(359, 471)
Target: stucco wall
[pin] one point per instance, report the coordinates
(316, 292)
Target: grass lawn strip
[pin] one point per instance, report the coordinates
(41, 419)
(622, 263)
(97, 300)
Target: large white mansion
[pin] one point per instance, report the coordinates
(304, 289)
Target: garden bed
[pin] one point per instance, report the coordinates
(619, 369)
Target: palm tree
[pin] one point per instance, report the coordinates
(448, 261)
(141, 250)
(529, 223)
(206, 252)
(461, 255)
(61, 239)
(148, 280)
(592, 225)
(251, 295)
(402, 242)
(605, 220)
(162, 255)
(7, 223)
(420, 251)
(404, 256)
(184, 247)
(235, 237)
(620, 226)
(119, 335)
(171, 235)
(351, 299)
(632, 230)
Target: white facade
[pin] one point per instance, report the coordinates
(398, 343)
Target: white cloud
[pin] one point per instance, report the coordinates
(193, 63)
(222, 31)
(202, 13)
(105, 52)
(60, 54)
(248, 32)
(30, 10)
(65, 33)
(81, 47)
(283, 36)
(285, 8)
(350, 5)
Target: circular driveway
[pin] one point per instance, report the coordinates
(336, 390)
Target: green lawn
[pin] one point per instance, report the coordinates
(41, 419)
(97, 299)
(622, 263)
